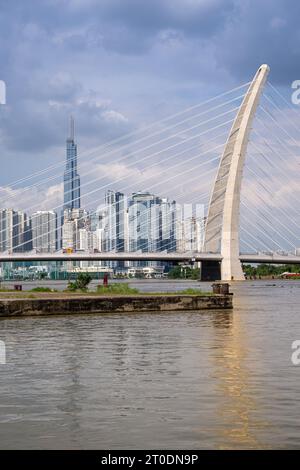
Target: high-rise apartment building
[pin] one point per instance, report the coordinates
(73, 221)
(151, 223)
(190, 226)
(44, 231)
(167, 225)
(115, 221)
(143, 222)
(15, 231)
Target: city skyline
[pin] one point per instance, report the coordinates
(73, 233)
(149, 229)
(168, 67)
(143, 221)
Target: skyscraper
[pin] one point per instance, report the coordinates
(44, 231)
(71, 177)
(74, 220)
(116, 213)
(15, 231)
(190, 224)
(144, 219)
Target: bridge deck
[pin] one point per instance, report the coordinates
(136, 256)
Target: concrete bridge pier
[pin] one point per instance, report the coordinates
(210, 270)
(223, 220)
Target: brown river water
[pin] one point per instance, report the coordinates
(194, 380)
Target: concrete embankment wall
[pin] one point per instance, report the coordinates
(118, 304)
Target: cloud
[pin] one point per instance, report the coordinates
(31, 199)
(269, 215)
(118, 65)
(262, 32)
(112, 116)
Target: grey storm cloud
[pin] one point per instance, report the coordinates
(118, 64)
(262, 32)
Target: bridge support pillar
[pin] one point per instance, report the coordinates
(231, 267)
(210, 270)
(223, 219)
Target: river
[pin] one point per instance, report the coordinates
(194, 380)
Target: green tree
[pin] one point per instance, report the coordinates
(184, 272)
(81, 283)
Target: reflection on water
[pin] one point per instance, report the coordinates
(239, 427)
(176, 380)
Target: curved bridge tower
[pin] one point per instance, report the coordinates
(222, 224)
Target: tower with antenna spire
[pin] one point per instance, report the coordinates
(71, 177)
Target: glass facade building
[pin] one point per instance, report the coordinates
(71, 177)
(15, 231)
(116, 214)
(151, 223)
(44, 231)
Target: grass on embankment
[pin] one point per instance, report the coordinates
(117, 289)
(124, 289)
(111, 289)
(35, 289)
(191, 291)
(43, 289)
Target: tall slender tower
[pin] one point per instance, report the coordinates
(71, 177)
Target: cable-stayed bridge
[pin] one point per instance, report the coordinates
(249, 133)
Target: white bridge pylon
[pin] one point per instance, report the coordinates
(223, 219)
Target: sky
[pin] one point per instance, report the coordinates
(120, 65)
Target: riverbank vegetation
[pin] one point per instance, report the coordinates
(184, 272)
(121, 289)
(269, 270)
(80, 284)
(43, 289)
(117, 289)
